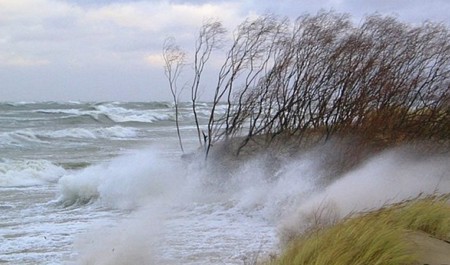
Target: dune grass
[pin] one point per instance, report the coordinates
(377, 237)
(428, 215)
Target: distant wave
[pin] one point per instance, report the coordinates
(106, 112)
(120, 114)
(18, 103)
(15, 173)
(59, 111)
(29, 136)
(19, 137)
(110, 132)
(115, 112)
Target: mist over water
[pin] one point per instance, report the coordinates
(188, 213)
(73, 197)
(390, 177)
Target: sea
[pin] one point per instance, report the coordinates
(104, 183)
(107, 183)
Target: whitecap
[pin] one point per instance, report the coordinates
(28, 172)
(120, 114)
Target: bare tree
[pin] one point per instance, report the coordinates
(322, 76)
(174, 59)
(330, 77)
(210, 38)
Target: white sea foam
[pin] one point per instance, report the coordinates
(131, 242)
(389, 177)
(161, 209)
(70, 133)
(232, 206)
(118, 132)
(59, 111)
(19, 137)
(119, 114)
(108, 132)
(179, 216)
(41, 137)
(116, 113)
(125, 182)
(28, 172)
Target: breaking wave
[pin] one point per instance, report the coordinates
(41, 137)
(14, 173)
(123, 183)
(120, 114)
(188, 199)
(109, 132)
(113, 111)
(19, 137)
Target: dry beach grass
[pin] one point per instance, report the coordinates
(410, 232)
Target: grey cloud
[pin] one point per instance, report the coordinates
(95, 53)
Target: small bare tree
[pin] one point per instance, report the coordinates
(174, 59)
(210, 38)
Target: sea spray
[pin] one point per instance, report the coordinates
(193, 212)
(210, 213)
(125, 182)
(389, 177)
(100, 188)
(133, 241)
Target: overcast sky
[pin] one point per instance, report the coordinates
(101, 50)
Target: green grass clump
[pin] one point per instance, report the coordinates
(377, 237)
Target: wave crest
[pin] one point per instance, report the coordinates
(125, 182)
(15, 173)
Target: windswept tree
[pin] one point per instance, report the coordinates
(210, 37)
(247, 60)
(321, 76)
(174, 59)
